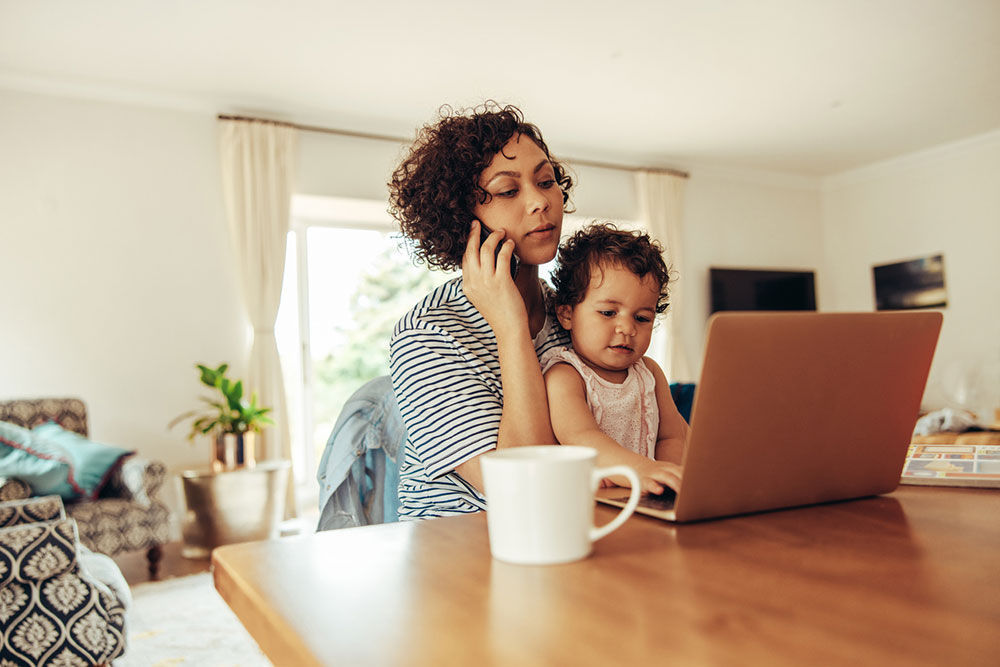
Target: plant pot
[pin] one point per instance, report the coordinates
(226, 507)
(234, 450)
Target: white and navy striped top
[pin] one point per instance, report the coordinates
(446, 375)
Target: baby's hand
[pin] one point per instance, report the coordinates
(656, 476)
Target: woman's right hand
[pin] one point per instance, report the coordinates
(487, 283)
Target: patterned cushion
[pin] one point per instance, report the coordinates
(12, 488)
(36, 551)
(49, 614)
(32, 510)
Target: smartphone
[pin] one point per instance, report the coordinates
(484, 232)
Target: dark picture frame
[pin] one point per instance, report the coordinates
(761, 289)
(911, 284)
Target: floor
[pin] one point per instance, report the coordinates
(135, 567)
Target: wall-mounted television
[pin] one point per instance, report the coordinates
(762, 289)
(917, 283)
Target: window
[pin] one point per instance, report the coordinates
(348, 279)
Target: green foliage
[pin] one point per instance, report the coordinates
(389, 288)
(228, 414)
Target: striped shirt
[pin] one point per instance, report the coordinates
(446, 375)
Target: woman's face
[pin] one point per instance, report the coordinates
(526, 201)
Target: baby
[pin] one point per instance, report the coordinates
(603, 393)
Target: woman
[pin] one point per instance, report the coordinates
(475, 189)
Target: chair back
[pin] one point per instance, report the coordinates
(359, 470)
(70, 413)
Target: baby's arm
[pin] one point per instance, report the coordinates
(573, 424)
(671, 437)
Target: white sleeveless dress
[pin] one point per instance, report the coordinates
(625, 412)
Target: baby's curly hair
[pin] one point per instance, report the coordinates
(601, 243)
(435, 189)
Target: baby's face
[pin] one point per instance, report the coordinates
(612, 326)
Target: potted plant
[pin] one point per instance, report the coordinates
(230, 420)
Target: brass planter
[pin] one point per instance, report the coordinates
(241, 505)
(234, 450)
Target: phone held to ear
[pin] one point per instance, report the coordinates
(484, 232)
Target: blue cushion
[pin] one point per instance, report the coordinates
(91, 463)
(45, 467)
(683, 395)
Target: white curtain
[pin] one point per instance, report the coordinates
(661, 208)
(258, 160)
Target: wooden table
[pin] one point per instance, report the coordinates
(912, 578)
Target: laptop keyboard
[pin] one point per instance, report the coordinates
(662, 501)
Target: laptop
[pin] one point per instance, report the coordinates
(798, 408)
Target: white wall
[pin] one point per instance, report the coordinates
(340, 166)
(741, 219)
(115, 265)
(945, 200)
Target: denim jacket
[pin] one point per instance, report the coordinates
(359, 471)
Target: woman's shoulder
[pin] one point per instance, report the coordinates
(444, 312)
(445, 302)
(444, 294)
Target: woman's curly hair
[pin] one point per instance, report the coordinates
(603, 243)
(435, 189)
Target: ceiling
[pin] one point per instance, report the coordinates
(813, 87)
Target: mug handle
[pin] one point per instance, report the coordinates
(633, 499)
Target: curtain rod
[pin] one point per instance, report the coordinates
(401, 140)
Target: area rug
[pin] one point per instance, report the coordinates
(184, 621)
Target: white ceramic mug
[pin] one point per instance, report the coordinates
(540, 502)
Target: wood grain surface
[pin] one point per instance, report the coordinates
(908, 578)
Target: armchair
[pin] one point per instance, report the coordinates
(127, 516)
(52, 610)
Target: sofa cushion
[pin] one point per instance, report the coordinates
(91, 463)
(56, 608)
(45, 467)
(31, 510)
